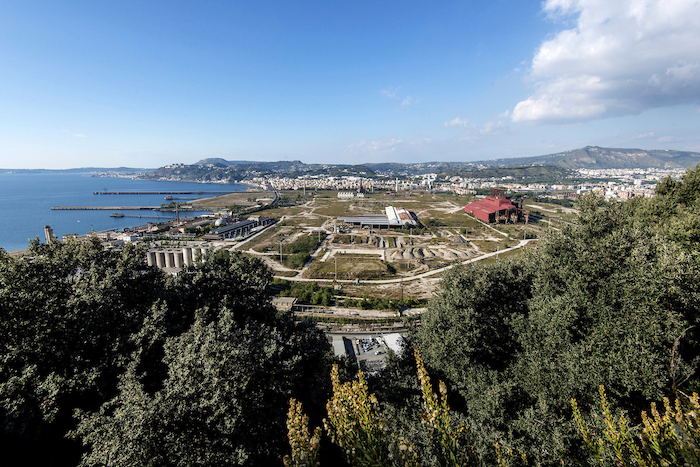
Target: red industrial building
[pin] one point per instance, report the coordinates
(497, 209)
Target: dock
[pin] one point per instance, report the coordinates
(106, 208)
(138, 216)
(164, 192)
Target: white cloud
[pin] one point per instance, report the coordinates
(393, 93)
(472, 130)
(390, 93)
(649, 134)
(493, 128)
(665, 139)
(422, 141)
(622, 57)
(78, 135)
(382, 145)
(458, 122)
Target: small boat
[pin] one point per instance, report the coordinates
(168, 197)
(116, 214)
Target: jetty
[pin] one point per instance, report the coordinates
(164, 192)
(139, 216)
(122, 208)
(106, 208)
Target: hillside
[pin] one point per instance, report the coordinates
(546, 167)
(594, 157)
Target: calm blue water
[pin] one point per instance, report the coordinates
(26, 201)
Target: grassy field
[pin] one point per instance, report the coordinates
(350, 267)
(436, 243)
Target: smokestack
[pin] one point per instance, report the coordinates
(48, 233)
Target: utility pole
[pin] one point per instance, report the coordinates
(336, 268)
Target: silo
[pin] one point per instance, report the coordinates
(151, 258)
(169, 259)
(187, 255)
(178, 259)
(160, 259)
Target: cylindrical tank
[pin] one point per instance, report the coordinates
(151, 258)
(178, 259)
(187, 255)
(169, 259)
(160, 259)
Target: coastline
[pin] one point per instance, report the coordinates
(27, 199)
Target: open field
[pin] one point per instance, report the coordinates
(446, 236)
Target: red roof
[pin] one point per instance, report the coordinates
(489, 205)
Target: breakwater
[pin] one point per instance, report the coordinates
(163, 192)
(105, 208)
(121, 208)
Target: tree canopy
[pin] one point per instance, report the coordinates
(162, 370)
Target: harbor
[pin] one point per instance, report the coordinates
(163, 192)
(118, 208)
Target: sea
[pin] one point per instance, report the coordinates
(26, 200)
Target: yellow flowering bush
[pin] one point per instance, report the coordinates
(671, 439)
(304, 446)
(439, 421)
(354, 422)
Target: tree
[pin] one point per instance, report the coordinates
(98, 331)
(601, 302)
(66, 317)
(223, 401)
(467, 337)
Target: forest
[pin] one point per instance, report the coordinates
(551, 358)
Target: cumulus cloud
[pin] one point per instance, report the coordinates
(649, 134)
(665, 139)
(621, 58)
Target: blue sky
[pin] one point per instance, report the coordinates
(144, 84)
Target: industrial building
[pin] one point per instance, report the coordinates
(497, 209)
(393, 217)
(238, 229)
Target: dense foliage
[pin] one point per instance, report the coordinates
(158, 370)
(604, 301)
(106, 361)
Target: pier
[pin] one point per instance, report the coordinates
(106, 208)
(164, 192)
(122, 208)
(138, 216)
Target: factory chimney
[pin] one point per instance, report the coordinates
(48, 232)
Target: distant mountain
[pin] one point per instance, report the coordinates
(549, 167)
(219, 170)
(594, 157)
